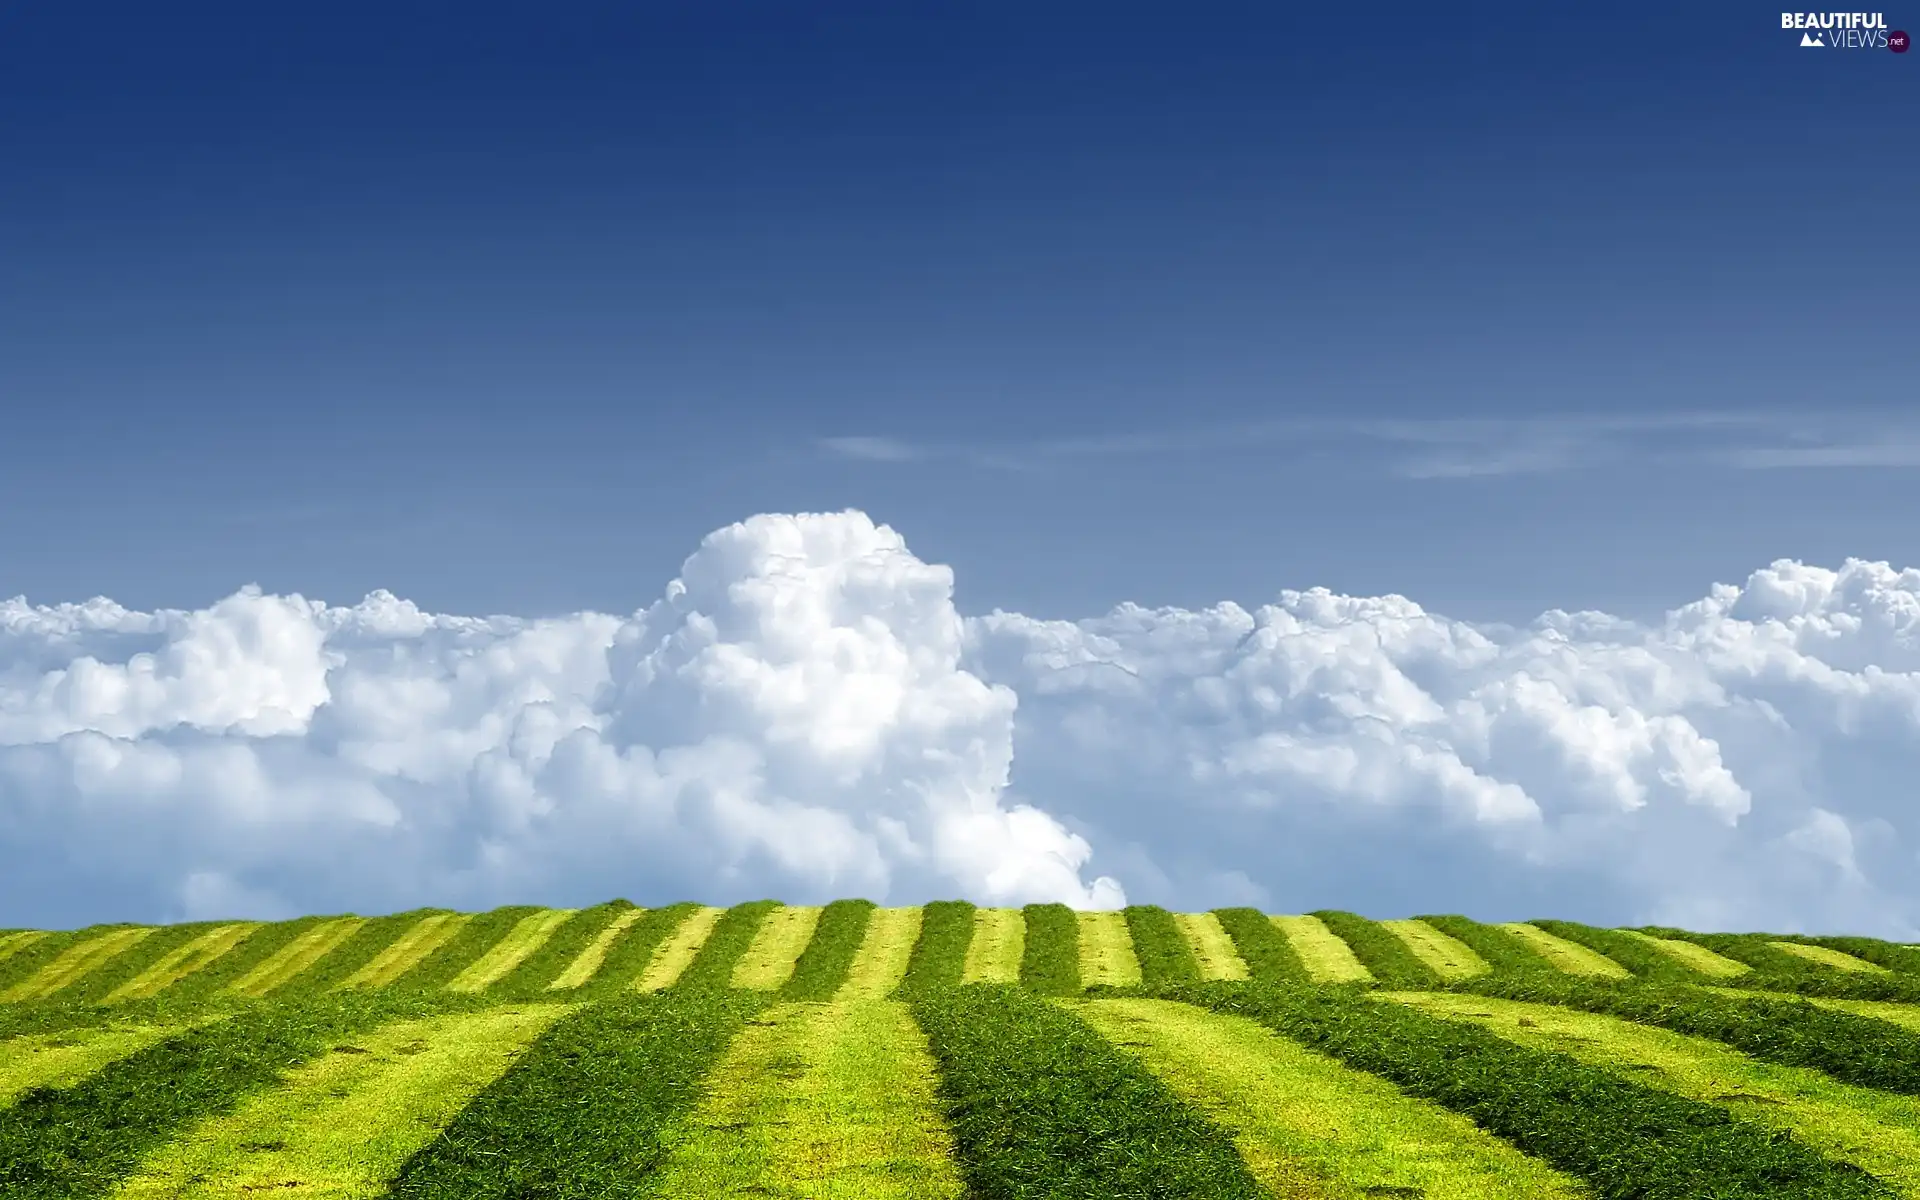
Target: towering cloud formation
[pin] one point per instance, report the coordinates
(804, 714)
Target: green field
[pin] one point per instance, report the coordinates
(952, 1052)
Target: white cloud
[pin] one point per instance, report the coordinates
(803, 713)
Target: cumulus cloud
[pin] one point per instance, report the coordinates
(803, 713)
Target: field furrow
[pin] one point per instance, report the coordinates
(676, 953)
(1566, 956)
(527, 935)
(183, 961)
(776, 949)
(824, 964)
(75, 962)
(1213, 953)
(1873, 1130)
(1826, 956)
(880, 965)
(1447, 957)
(593, 955)
(1308, 1125)
(339, 1126)
(60, 1060)
(297, 956)
(1106, 951)
(1050, 957)
(409, 950)
(999, 943)
(819, 1102)
(1324, 957)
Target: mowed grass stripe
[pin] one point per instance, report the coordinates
(592, 1107)
(732, 936)
(1307, 1125)
(408, 951)
(588, 962)
(13, 943)
(1268, 952)
(59, 1060)
(1646, 957)
(940, 952)
(1050, 956)
(999, 943)
(76, 961)
(886, 949)
(824, 964)
(1042, 1106)
(1872, 1130)
(1907, 1016)
(1496, 945)
(1568, 957)
(538, 971)
(818, 1101)
(1756, 950)
(776, 948)
(342, 1124)
(1826, 956)
(297, 956)
(1159, 947)
(676, 953)
(1106, 951)
(1213, 954)
(93, 987)
(1386, 956)
(528, 935)
(1448, 957)
(474, 936)
(1323, 955)
(183, 961)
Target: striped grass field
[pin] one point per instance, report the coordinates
(880, 965)
(1828, 957)
(1325, 958)
(1695, 957)
(75, 962)
(776, 948)
(677, 953)
(18, 940)
(408, 951)
(59, 1060)
(297, 956)
(999, 943)
(1570, 957)
(1449, 958)
(527, 936)
(1106, 951)
(1213, 951)
(183, 961)
(594, 954)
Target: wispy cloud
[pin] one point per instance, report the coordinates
(872, 449)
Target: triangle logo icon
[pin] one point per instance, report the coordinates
(1808, 39)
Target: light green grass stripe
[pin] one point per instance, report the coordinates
(673, 955)
(59, 1060)
(819, 1102)
(1839, 960)
(1907, 1016)
(528, 934)
(1309, 1126)
(339, 1127)
(408, 950)
(999, 940)
(1699, 958)
(1106, 950)
(1213, 949)
(588, 964)
(884, 954)
(1325, 955)
(297, 955)
(13, 943)
(76, 962)
(1449, 957)
(1876, 1131)
(1570, 958)
(777, 945)
(183, 961)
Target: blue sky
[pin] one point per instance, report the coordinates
(504, 307)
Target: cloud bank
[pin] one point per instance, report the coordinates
(803, 713)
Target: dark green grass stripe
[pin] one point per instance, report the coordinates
(1503, 951)
(1050, 959)
(476, 937)
(262, 944)
(1269, 956)
(1852, 1048)
(713, 966)
(1623, 1138)
(1894, 957)
(1649, 963)
(1042, 1106)
(25, 964)
(940, 953)
(94, 987)
(1392, 963)
(343, 960)
(77, 1142)
(630, 954)
(823, 965)
(1161, 948)
(544, 965)
(1750, 948)
(587, 1112)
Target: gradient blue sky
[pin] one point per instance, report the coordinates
(503, 307)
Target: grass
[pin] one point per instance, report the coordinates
(586, 966)
(540, 969)
(1567, 957)
(197, 954)
(1756, 950)
(1106, 951)
(1496, 945)
(75, 961)
(998, 946)
(30, 950)
(589, 1111)
(1874, 1131)
(1213, 954)
(676, 952)
(1387, 958)
(474, 939)
(1891, 955)
(1324, 956)
(1622, 1138)
(60, 1060)
(733, 935)
(409, 950)
(1269, 953)
(819, 1102)
(823, 965)
(1042, 1106)
(297, 956)
(1050, 959)
(528, 934)
(115, 969)
(1447, 957)
(1655, 960)
(1160, 947)
(776, 948)
(1308, 1125)
(1826, 956)
(880, 965)
(343, 1123)
(940, 952)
